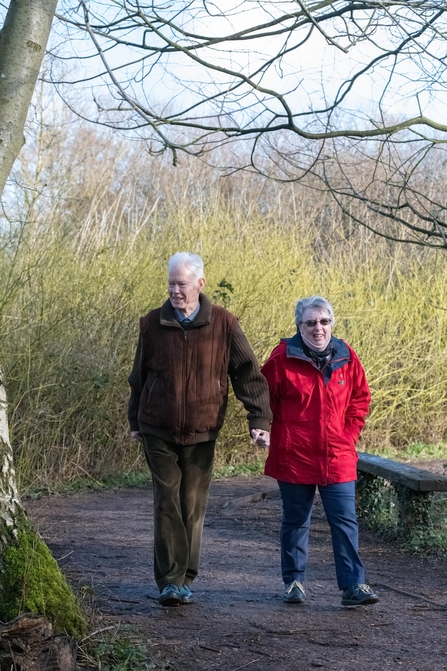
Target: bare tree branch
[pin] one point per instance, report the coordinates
(362, 82)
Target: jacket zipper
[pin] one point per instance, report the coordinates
(324, 401)
(325, 415)
(184, 373)
(325, 441)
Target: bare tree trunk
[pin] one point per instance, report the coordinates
(30, 579)
(10, 507)
(23, 40)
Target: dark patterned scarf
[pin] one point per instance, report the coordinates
(319, 358)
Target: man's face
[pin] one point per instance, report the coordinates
(184, 289)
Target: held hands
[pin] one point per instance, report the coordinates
(260, 438)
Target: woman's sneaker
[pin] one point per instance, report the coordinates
(294, 593)
(358, 595)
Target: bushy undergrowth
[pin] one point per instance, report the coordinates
(84, 255)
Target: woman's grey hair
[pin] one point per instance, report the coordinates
(317, 302)
(192, 262)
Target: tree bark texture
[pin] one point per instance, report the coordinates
(10, 506)
(23, 40)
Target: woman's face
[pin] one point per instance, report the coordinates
(316, 332)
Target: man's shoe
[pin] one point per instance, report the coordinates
(186, 595)
(358, 595)
(294, 593)
(170, 595)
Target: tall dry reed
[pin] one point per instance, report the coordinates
(91, 225)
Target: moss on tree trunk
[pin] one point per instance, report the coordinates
(32, 582)
(30, 578)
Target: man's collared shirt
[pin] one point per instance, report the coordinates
(180, 317)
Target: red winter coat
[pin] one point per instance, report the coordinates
(317, 414)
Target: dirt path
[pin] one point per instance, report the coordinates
(103, 542)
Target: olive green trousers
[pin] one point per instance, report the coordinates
(181, 477)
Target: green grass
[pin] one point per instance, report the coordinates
(244, 469)
(414, 453)
(137, 479)
(120, 649)
(417, 452)
(130, 479)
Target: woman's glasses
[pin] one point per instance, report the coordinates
(313, 322)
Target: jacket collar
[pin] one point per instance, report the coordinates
(341, 355)
(167, 315)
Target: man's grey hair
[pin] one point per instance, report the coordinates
(316, 302)
(192, 262)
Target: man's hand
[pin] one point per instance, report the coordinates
(136, 435)
(260, 437)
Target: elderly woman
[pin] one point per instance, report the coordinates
(320, 398)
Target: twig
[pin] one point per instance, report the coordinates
(290, 632)
(253, 498)
(98, 631)
(259, 652)
(334, 644)
(207, 647)
(247, 664)
(412, 595)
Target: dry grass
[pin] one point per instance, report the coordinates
(84, 256)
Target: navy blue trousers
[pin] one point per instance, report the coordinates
(339, 506)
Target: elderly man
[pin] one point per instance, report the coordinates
(179, 392)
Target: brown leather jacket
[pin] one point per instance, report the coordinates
(179, 380)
